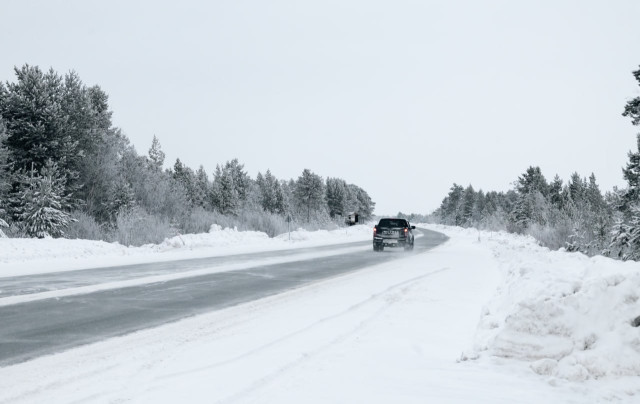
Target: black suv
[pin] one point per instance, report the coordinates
(393, 233)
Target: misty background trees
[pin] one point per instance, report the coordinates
(66, 171)
(574, 214)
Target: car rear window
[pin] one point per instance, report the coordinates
(392, 223)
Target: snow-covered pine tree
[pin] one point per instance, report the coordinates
(42, 202)
(365, 205)
(631, 174)
(532, 180)
(632, 109)
(266, 186)
(121, 199)
(450, 209)
(336, 196)
(241, 180)
(156, 155)
(185, 176)
(5, 182)
(309, 192)
(281, 206)
(479, 209)
(228, 196)
(555, 193)
(202, 188)
(625, 240)
(468, 202)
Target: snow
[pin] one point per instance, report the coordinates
(568, 317)
(486, 317)
(27, 256)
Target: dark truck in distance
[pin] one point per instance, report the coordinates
(392, 233)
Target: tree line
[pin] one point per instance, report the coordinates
(66, 171)
(575, 215)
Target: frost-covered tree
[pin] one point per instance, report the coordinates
(41, 124)
(229, 198)
(271, 196)
(632, 109)
(531, 181)
(555, 193)
(41, 202)
(202, 189)
(121, 199)
(156, 155)
(625, 240)
(185, 176)
(468, 203)
(450, 208)
(309, 192)
(5, 182)
(241, 180)
(336, 196)
(364, 205)
(631, 174)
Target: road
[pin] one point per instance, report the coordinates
(45, 326)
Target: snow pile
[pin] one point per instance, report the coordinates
(23, 256)
(352, 233)
(217, 237)
(14, 250)
(568, 315)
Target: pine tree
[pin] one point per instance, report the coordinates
(532, 180)
(631, 174)
(266, 187)
(39, 126)
(228, 196)
(309, 192)
(449, 211)
(156, 155)
(336, 196)
(202, 188)
(365, 205)
(186, 178)
(5, 182)
(625, 242)
(468, 202)
(121, 199)
(555, 193)
(632, 109)
(281, 205)
(241, 180)
(42, 202)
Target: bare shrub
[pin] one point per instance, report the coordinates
(552, 237)
(84, 227)
(136, 227)
(269, 223)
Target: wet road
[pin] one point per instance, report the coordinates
(41, 327)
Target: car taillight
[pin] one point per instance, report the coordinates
(375, 229)
(406, 230)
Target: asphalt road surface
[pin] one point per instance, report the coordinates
(41, 327)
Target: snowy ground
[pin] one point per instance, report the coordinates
(32, 256)
(487, 317)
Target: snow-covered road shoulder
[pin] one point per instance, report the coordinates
(28, 256)
(393, 332)
(571, 319)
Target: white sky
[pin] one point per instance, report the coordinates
(402, 98)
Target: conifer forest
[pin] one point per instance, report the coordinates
(568, 213)
(67, 171)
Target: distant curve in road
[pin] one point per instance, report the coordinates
(42, 327)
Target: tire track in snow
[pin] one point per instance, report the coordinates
(388, 294)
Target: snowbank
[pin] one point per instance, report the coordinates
(569, 316)
(22, 256)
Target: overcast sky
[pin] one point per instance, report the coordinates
(402, 98)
